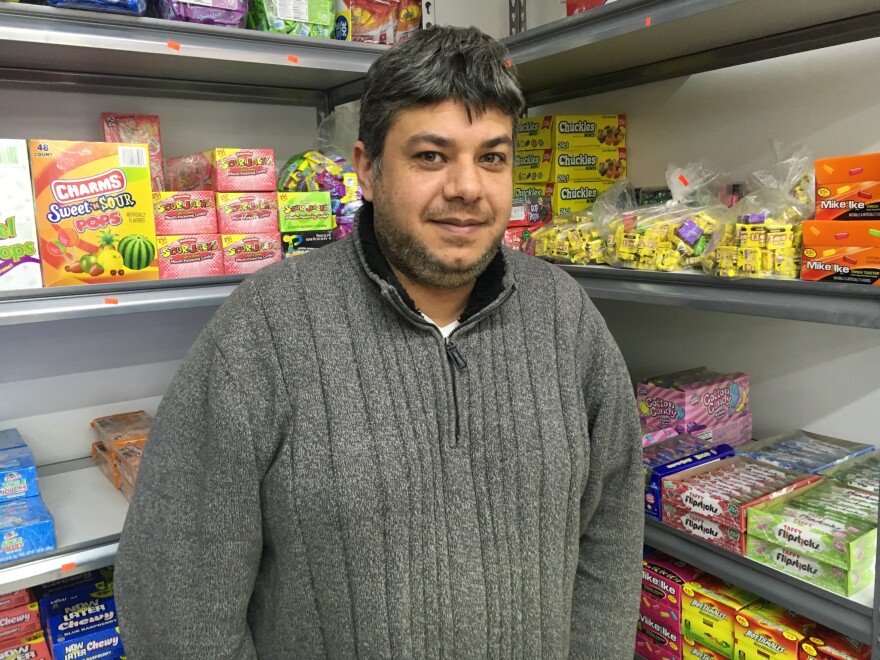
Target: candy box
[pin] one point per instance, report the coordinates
(534, 133)
(10, 439)
(848, 187)
(593, 164)
(851, 265)
(26, 528)
(791, 562)
(862, 472)
(533, 166)
(852, 233)
(371, 21)
(697, 399)
(122, 428)
(304, 211)
(662, 580)
(128, 458)
(248, 253)
(185, 212)
(408, 19)
(657, 640)
(191, 172)
(228, 13)
(19, 251)
(804, 451)
(736, 431)
(534, 191)
(574, 198)
(18, 474)
(19, 621)
(296, 243)
(16, 598)
(105, 464)
(43, 593)
(94, 212)
(245, 213)
(765, 630)
(729, 537)
(826, 644)
(191, 255)
(32, 647)
(653, 437)
(836, 541)
(85, 626)
(244, 170)
(308, 18)
(138, 129)
(579, 131)
(693, 650)
(708, 612)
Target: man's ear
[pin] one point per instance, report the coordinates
(363, 166)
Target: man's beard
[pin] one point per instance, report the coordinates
(412, 258)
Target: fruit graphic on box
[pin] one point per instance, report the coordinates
(247, 253)
(191, 255)
(185, 212)
(94, 212)
(19, 255)
(247, 213)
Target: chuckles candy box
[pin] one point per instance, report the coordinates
(94, 212)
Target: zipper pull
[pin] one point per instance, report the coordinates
(456, 357)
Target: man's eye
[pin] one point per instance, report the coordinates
(495, 158)
(429, 156)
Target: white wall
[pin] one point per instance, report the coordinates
(488, 15)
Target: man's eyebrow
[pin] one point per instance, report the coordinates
(432, 138)
(504, 140)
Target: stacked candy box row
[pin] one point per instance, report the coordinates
(862, 472)
(804, 451)
(120, 446)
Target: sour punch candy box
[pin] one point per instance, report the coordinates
(94, 212)
(185, 212)
(19, 254)
(191, 255)
(247, 213)
(248, 253)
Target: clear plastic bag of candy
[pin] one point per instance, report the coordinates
(573, 239)
(763, 236)
(130, 7)
(228, 13)
(671, 236)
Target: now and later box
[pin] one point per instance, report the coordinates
(765, 630)
(826, 644)
(185, 212)
(696, 398)
(199, 255)
(94, 211)
(32, 647)
(708, 612)
(19, 621)
(19, 251)
(247, 213)
(848, 188)
(18, 474)
(248, 253)
(85, 626)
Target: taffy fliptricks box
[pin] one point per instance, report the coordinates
(708, 612)
(654, 640)
(26, 528)
(662, 580)
(573, 198)
(85, 626)
(32, 647)
(848, 188)
(19, 254)
(19, 621)
(765, 630)
(16, 598)
(248, 253)
(247, 213)
(304, 211)
(185, 212)
(94, 212)
(244, 170)
(18, 474)
(693, 650)
(695, 399)
(593, 164)
(191, 255)
(533, 166)
(826, 644)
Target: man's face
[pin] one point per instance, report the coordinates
(443, 199)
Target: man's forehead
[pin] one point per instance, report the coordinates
(440, 119)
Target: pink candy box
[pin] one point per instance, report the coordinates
(247, 213)
(244, 170)
(247, 253)
(662, 580)
(693, 400)
(654, 646)
(185, 212)
(194, 255)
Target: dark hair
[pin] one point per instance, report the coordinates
(435, 65)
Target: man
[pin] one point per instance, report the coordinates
(407, 444)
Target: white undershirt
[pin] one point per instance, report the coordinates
(446, 330)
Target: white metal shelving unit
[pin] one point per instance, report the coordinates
(627, 43)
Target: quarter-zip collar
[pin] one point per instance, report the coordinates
(492, 287)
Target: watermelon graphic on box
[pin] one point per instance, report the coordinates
(247, 253)
(244, 213)
(185, 212)
(198, 255)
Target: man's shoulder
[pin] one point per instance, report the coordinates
(538, 278)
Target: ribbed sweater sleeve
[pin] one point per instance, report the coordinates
(191, 546)
(607, 583)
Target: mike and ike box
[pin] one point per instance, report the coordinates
(571, 131)
(94, 212)
(848, 188)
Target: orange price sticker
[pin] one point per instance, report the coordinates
(173, 45)
(683, 179)
(68, 567)
(648, 22)
(293, 59)
(111, 301)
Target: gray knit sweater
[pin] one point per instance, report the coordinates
(326, 478)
